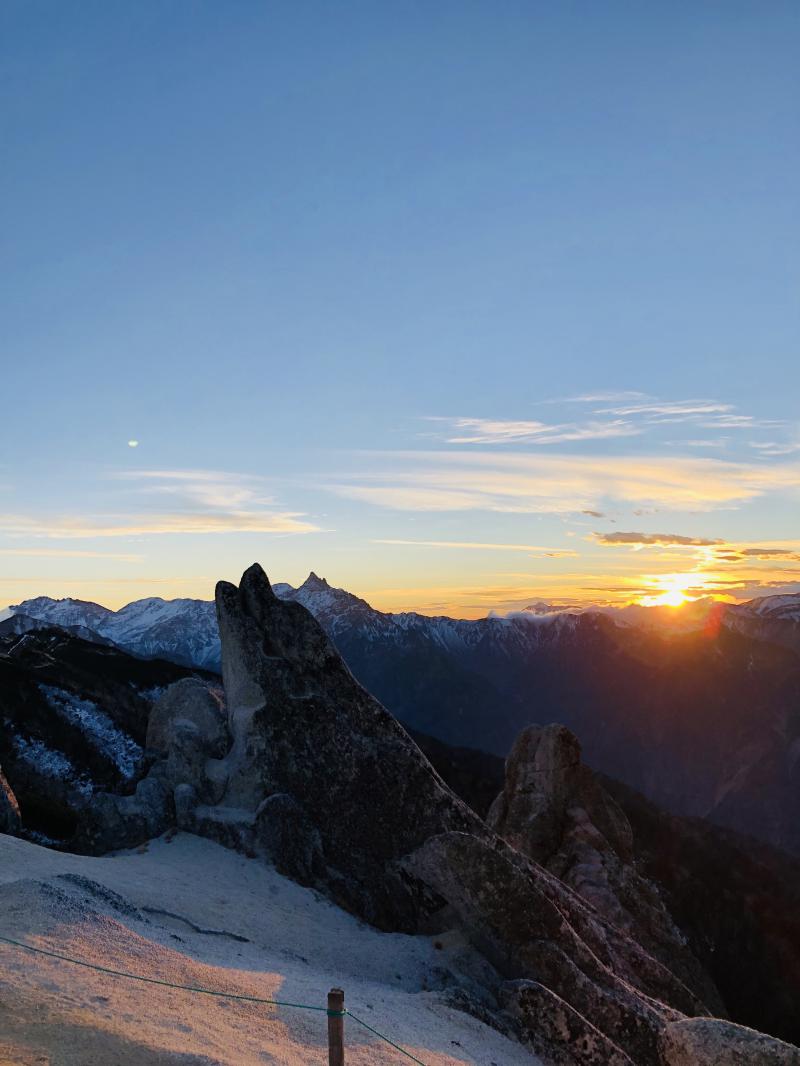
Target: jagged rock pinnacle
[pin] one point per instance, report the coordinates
(314, 583)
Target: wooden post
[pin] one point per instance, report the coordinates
(336, 1027)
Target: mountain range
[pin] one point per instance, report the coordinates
(699, 709)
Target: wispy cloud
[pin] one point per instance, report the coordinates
(624, 396)
(211, 489)
(82, 527)
(731, 421)
(704, 442)
(559, 484)
(201, 502)
(773, 447)
(736, 553)
(494, 431)
(620, 415)
(672, 410)
(532, 549)
(648, 410)
(770, 553)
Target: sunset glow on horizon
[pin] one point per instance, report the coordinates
(673, 592)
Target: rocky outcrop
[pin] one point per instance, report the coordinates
(553, 809)
(74, 723)
(10, 820)
(696, 713)
(188, 700)
(186, 738)
(712, 1042)
(546, 786)
(556, 1030)
(736, 901)
(321, 778)
(528, 925)
(304, 729)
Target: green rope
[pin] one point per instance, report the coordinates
(207, 991)
(397, 1047)
(156, 980)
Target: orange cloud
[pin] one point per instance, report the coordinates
(638, 540)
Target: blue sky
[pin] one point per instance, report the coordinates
(447, 273)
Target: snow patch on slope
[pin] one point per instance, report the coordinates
(97, 727)
(49, 762)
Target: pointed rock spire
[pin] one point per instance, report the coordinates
(314, 583)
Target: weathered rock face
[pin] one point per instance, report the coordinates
(737, 901)
(323, 779)
(303, 728)
(711, 1042)
(546, 786)
(530, 926)
(10, 820)
(556, 1030)
(187, 700)
(553, 809)
(186, 737)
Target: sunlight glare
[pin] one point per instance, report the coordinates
(672, 590)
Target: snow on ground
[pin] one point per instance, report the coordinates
(192, 912)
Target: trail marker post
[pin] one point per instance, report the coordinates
(336, 1014)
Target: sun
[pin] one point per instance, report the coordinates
(671, 590)
(671, 598)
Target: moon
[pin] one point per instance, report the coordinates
(133, 444)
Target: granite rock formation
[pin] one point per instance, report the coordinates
(553, 809)
(185, 740)
(372, 825)
(712, 1042)
(303, 729)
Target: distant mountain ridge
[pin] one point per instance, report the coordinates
(703, 719)
(185, 630)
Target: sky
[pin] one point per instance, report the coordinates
(463, 305)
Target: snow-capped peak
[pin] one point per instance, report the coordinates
(314, 583)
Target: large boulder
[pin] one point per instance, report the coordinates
(112, 821)
(714, 1042)
(188, 700)
(186, 737)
